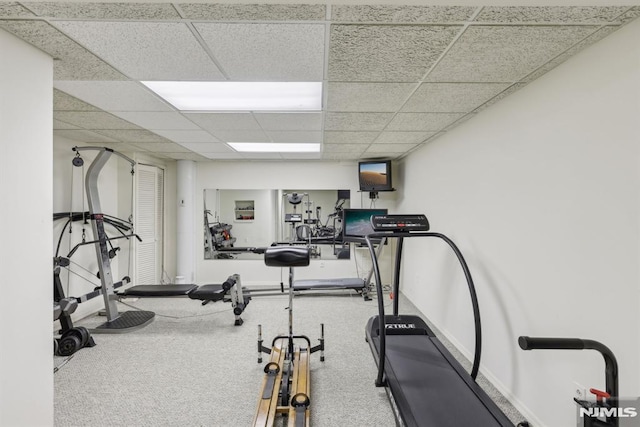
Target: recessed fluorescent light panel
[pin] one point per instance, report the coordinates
(240, 96)
(274, 147)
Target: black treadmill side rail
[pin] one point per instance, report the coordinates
(396, 277)
(399, 396)
(400, 235)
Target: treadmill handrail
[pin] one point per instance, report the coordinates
(472, 291)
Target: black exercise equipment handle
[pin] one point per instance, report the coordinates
(124, 236)
(611, 364)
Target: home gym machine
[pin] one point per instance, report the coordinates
(606, 409)
(116, 322)
(73, 338)
(425, 384)
(286, 385)
(119, 322)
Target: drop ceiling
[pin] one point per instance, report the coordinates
(394, 76)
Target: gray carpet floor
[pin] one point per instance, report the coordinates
(192, 367)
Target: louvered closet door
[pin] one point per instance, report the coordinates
(149, 224)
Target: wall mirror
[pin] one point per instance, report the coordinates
(239, 223)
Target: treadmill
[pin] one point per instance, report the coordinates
(425, 384)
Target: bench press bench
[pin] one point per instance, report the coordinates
(229, 291)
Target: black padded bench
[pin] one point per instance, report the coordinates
(229, 291)
(202, 293)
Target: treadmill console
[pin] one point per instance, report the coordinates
(295, 217)
(399, 222)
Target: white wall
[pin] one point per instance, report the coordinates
(302, 175)
(540, 191)
(26, 367)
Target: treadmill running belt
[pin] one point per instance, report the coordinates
(432, 392)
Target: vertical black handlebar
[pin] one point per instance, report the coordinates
(611, 364)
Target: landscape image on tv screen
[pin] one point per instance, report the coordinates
(358, 222)
(373, 175)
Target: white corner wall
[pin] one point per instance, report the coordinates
(540, 191)
(26, 123)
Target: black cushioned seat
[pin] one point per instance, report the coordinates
(208, 293)
(158, 290)
(286, 256)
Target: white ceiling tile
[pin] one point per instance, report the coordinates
(357, 121)
(241, 136)
(381, 156)
(120, 147)
(260, 156)
(550, 14)
(403, 137)
(186, 156)
(289, 121)
(598, 35)
(386, 52)
(223, 156)
(134, 136)
(294, 136)
(224, 121)
(459, 121)
(630, 15)
(257, 12)
(65, 102)
(293, 52)
(58, 125)
(341, 156)
(185, 136)
(93, 120)
(160, 147)
(83, 135)
(389, 148)
(401, 13)
(335, 137)
(158, 120)
(114, 95)
(14, 9)
(145, 50)
(147, 11)
(422, 121)
(500, 96)
(504, 53)
(344, 148)
(301, 156)
(370, 97)
(207, 147)
(72, 61)
(451, 97)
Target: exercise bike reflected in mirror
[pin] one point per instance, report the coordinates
(237, 222)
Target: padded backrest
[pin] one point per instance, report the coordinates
(286, 256)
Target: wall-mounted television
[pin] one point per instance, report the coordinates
(375, 175)
(356, 223)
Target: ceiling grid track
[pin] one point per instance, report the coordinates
(394, 77)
